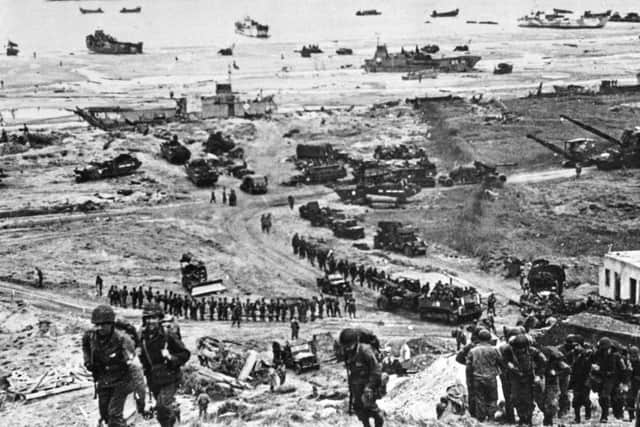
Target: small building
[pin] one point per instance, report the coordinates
(619, 276)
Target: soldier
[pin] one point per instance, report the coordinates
(607, 371)
(548, 401)
(483, 366)
(107, 355)
(295, 328)
(236, 313)
(461, 338)
(233, 199)
(295, 241)
(634, 383)
(213, 197)
(290, 201)
(364, 377)
(203, 403)
(491, 304)
(212, 308)
(38, 271)
(202, 308)
(98, 286)
(224, 195)
(163, 353)
(320, 307)
(580, 382)
(361, 275)
(123, 296)
(526, 366)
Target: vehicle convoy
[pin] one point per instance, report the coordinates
(193, 271)
(99, 42)
(174, 152)
(254, 184)
(202, 172)
(123, 164)
(544, 276)
(394, 236)
(334, 284)
(416, 60)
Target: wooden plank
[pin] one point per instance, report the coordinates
(59, 390)
(248, 365)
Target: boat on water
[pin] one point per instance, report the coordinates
(306, 51)
(344, 51)
(589, 14)
(12, 48)
(503, 68)
(419, 75)
(562, 11)
(86, 11)
(368, 12)
(133, 10)
(407, 61)
(542, 20)
(449, 14)
(252, 28)
(629, 17)
(99, 42)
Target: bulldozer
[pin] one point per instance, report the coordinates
(123, 164)
(393, 236)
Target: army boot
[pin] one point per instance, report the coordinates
(576, 411)
(632, 414)
(587, 411)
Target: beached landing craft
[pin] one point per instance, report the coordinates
(133, 10)
(12, 48)
(368, 12)
(85, 11)
(560, 21)
(99, 42)
(449, 14)
(407, 61)
(251, 28)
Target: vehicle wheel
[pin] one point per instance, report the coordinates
(298, 369)
(408, 251)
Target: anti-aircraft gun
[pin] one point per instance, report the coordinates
(626, 152)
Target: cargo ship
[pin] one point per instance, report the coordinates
(407, 61)
(251, 28)
(99, 42)
(559, 21)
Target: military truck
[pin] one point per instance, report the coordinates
(174, 152)
(123, 164)
(394, 236)
(347, 229)
(312, 212)
(334, 284)
(321, 174)
(202, 172)
(254, 184)
(544, 276)
(315, 152)
(193, 271)
(394, 295)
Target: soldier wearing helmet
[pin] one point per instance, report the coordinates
(483, 362)
(579, 381)
(162, 355)
(526, 366)
(364, 376)
(107, 355)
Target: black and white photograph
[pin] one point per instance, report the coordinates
(319, 213)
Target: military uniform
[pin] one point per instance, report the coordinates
(107, 358)
(364, 384)
(483, 366)
(163, 370)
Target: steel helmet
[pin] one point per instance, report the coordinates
(604, 343)
(519, 341)
(152, 309)
(348, 337)
(103, 314)
(484, 335)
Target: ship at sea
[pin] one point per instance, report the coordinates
(562, 21)
(99, 42)
(416, 60)
(252, 28)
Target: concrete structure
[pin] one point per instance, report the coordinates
(226, 104)
(619, 276)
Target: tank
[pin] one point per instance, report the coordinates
(202, 172)
(174, 152)
(123, 164)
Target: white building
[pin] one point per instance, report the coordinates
(619, 276)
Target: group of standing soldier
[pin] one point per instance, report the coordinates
(539, 375)
(120, 361)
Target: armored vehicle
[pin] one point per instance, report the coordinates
(475, 173)
(254, 184)
(544, 276)
(466, 308)
(334, 284)
(193, 271)
(202, 172)
(175, 152)
(347, 229)
(394, 296)
(123, 164)
(393, 236)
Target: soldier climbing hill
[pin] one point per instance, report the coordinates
(163, 353)
(107, 355)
